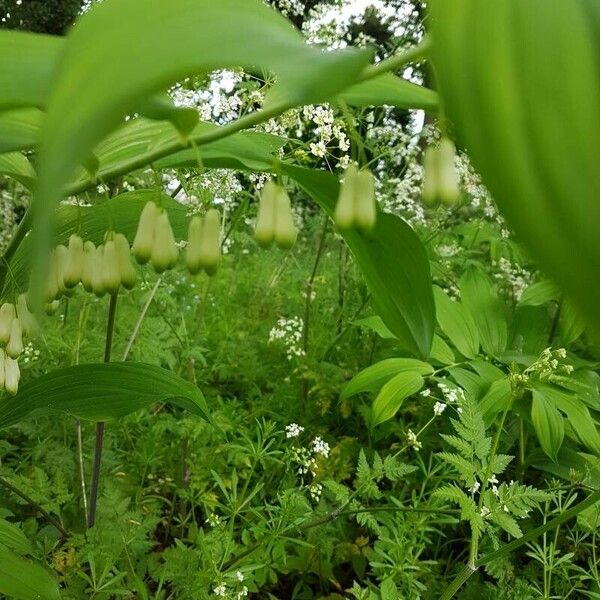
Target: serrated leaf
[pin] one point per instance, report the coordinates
(506, 522)
(101, 392)
(374, 377)
(393, 394)
(457, 323)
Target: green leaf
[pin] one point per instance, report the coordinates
(578, 416)
(441, 352)
(533, 135)
(539, 293)
(392, 91)
(393, 262)
(482, 301)
(570, 324)
(13, 538)
(457, 323)
(393, 394)
(131, 63)
(372, 378)
(15, 165)
(100, 392)
(496, 399)
(24, 580)
(548, 424)
(376, 324)
(19, 129)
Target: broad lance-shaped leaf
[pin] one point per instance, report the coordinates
(482, 301)
(392, 395)
(393, 262)
(457, 323)
(374, 377)
(112, 62)
(13, 538)
(521, 83)
(19, 129)
(25, 580)
(16, 166)
(101, 392)
(548, 424)
(393, 91)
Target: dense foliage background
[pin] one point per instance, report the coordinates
(305, 486)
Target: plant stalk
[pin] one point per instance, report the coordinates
(100, 426)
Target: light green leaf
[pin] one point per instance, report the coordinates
(16, 166)
(372, 378)
(393, 262)
(441, 352)
(19, 129)
(548, 424)
(457, 323)
(496, 399)
(392, 91)
(533, 135)
(25, 580)
(100, 392)
(13, 538)
(539, 293)
(376, 324)
(393, 394)
(480, 298)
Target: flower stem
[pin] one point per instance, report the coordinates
(110, 328)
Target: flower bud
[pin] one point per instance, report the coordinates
(51, 307)
(126, 268)
(365, 211)
(344, 209)
(14, 348)
(285, 230)
(89, 264)
(12, 374)
(164, 251)
(51, 289)
(2, 369)
(210, 249)
(73, 262)
(7, 315)
(193, 252)
(112, 273)
(448, 190)
(61, 253)
(143, 243)
(98, 283)
(28, 320)
(264, 230)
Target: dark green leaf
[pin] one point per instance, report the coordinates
(13, 538)
(100, 392)
(392, 395)
(25, 580)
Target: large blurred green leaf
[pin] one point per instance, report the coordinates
(25, 580)
(394, 264)
(113, 61)
(100, 392)
(19, 129)
(391, 90)
(521, 83)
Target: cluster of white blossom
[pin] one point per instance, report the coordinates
(515, 277)
(290, 8)
(293, 430)
(290, 332)
(8, 220)
(235, 591)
